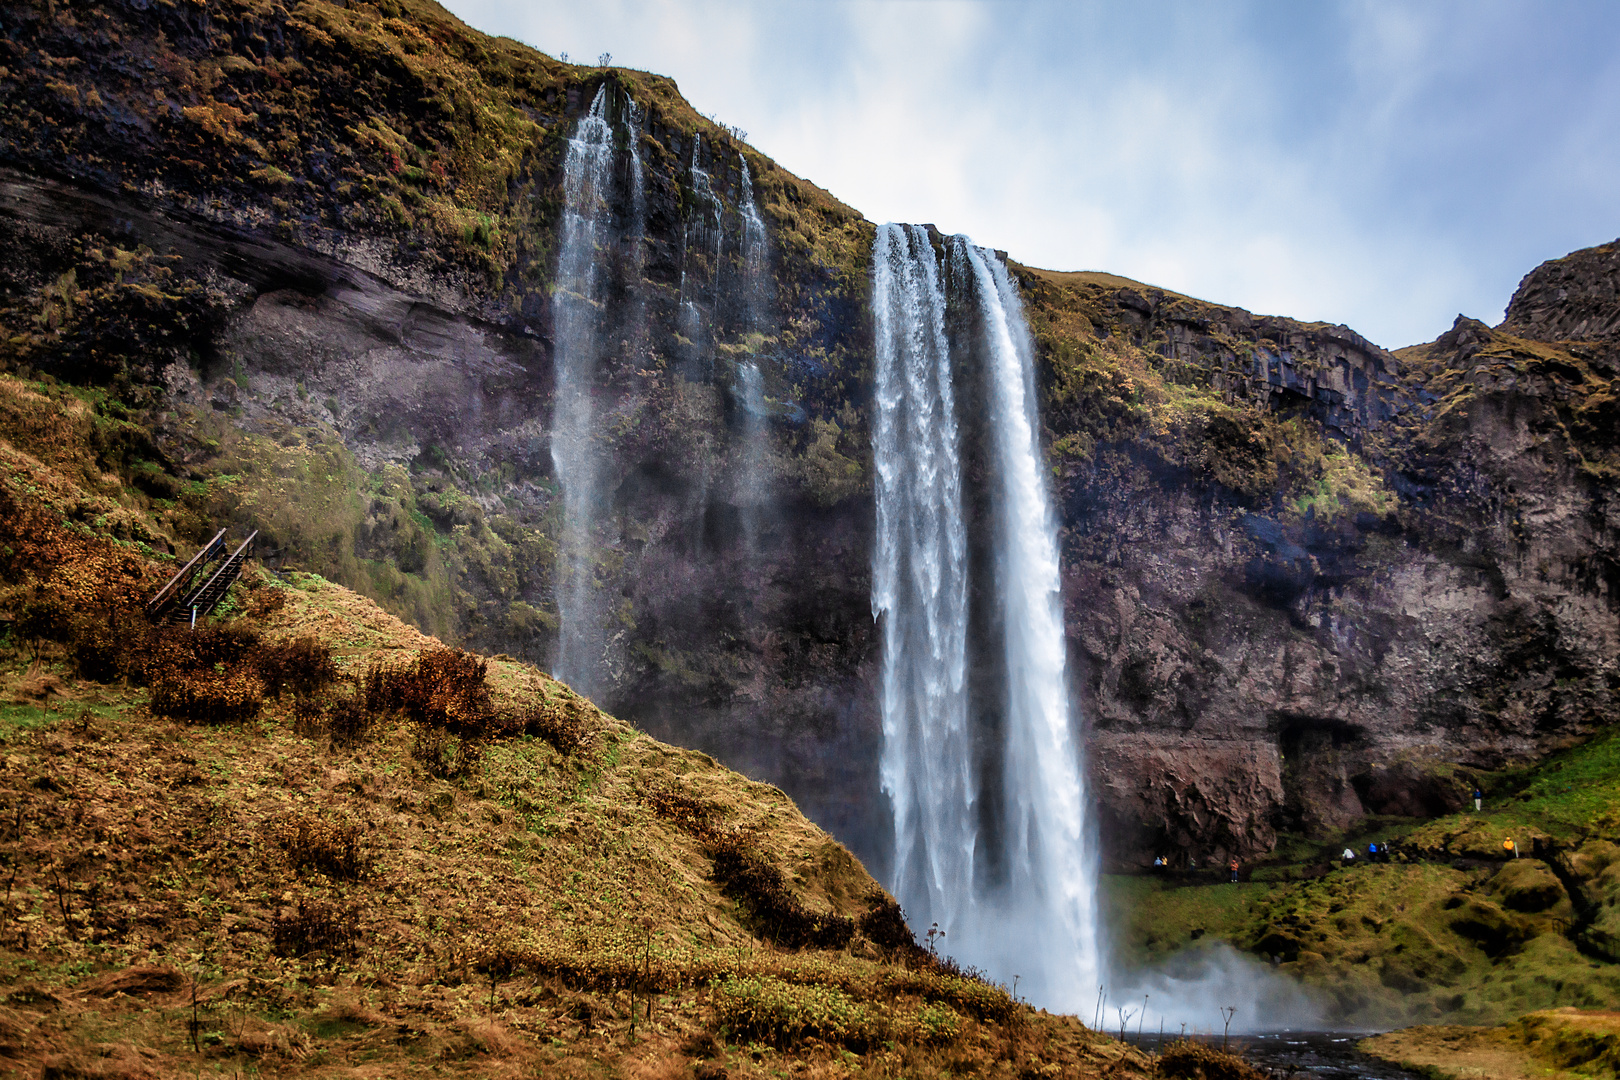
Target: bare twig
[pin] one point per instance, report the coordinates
(196, 1023)
(62, 904)
(1124, 1018)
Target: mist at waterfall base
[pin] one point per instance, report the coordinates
(1193, 987)
(1013, 892)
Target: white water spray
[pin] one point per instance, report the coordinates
(752, 482)
(587, 186)
(919, 587)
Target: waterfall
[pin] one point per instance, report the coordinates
(753, 253)
(753, 481)
(919, 586)
(708, 222)
(1050, 904)
(638, 189)
(752, 484)
(1039, 924)
(701, 241)
(587, 186)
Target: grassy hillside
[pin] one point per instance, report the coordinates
(1453, 926)
(1558, 1044)
(306, 839)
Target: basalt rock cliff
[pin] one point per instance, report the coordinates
(310, 249)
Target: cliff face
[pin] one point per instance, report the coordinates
(1279, 634)
(313, 252)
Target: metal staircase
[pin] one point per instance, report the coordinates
(200, 585)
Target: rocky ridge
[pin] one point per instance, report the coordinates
(1306, 579)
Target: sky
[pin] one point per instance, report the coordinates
(1384, 165)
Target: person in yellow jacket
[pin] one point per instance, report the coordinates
(1509, 846)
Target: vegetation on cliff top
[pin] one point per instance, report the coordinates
(1112, 391)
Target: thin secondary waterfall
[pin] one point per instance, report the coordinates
(754, 253)
(1039, 924)
(638, 187)
(701, 241)
(1050, 903)
(919, 586)
(752, 480)
(587, 187)
(752, 486)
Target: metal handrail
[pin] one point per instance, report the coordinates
(194, 601)
(159, 601)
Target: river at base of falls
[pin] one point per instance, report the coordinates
(1330, 1055)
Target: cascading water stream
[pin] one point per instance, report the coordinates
(752, 482)
(1050, 901)
(1039, 924)
(752, 487)
(919, 586)
(587, 185)
(754, 253)
(638, 188)
(706, 228)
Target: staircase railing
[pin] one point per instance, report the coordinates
(165, 596)
(208, 595)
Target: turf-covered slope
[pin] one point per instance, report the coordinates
(1454, 926)
(350, 859)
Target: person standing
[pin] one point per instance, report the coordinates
(1479, 800)
(1233, 866)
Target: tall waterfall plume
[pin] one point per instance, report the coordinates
(701, 239)
(1049, 911)
(752, 486)
(1036, 919)
(587, 222)
(919, 586)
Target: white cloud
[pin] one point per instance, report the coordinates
(1359, 163)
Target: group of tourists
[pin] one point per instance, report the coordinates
(1376, 852)
(1162, 863)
